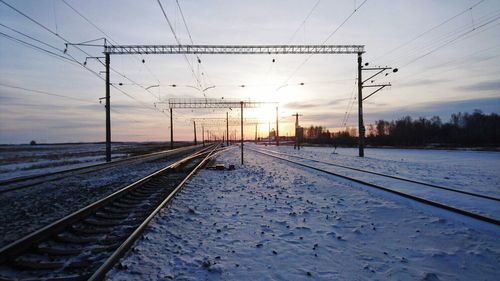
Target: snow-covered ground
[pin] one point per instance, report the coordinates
(474, 171)
(26, 210)
(270, 220)
(486, 207)
(25, 160)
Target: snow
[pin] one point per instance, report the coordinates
(26, 210)
(485, 207)
(270, 220)
(25, 160)
(473, 171)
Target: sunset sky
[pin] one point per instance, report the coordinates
(447, 53)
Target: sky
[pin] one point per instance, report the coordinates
(446, 52)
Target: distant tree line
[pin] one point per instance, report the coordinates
(463, 129)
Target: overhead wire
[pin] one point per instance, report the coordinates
(67, 54)
(304, 21)
(458, 37)
(198, 83)
(350, 103)
(73, 61)
(443, 40)
(454, 63)
(115, 42)
(429, 30)
(204, 72)
(46, 93)
(32, 46)
(55, 14)
(296, 70)
(330, 35)
(30, 37)
(440, 39)
(302, 24)
(87, 101)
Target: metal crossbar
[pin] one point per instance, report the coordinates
(233, 49)
(215, 103)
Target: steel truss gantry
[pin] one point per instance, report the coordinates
(232, 49)
(219, 122)
(206, 103)
(214, 103)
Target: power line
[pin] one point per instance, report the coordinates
(41, 25)
(32, 46)
(61, 96)
(64, 39)
(293, 36)
(451, 41)
(72, 58)
(105, 34)
(461, 33)
(344, 22)
(30, 37)
(185, 23)
(430, 30)
(304, 21)
(457, 62)
(324, 42)
(199, 85)
(350, 104)
(192, 42)
(74, 61)
(440, 39)
(45, 93)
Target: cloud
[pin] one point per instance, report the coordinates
(319, 103)
(422, 82)
(482, 86)
(8, 99)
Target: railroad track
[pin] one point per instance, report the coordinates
(87, 244)
(33, 180)
(465, 203)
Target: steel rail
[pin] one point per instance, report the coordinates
(389, 176)
(24, 244)
(93, 168)
(402, 194)
(100, 273)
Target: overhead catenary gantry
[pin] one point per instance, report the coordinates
(210, 122)
(233, 49)
(230, 50)
(205, 103)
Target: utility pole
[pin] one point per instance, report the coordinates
(203, 135)
(171, 129)
(296, 129)
(256, 124)
(241, 105)
(361, 126)
(227, 128)
(277, 129)
(361, 82)
(269, 134)
(108, 111)
(296, 119)
(195, 141)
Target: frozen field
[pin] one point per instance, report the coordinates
(26, 210)
(24, 160)
(475, 171)
(270, 220)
